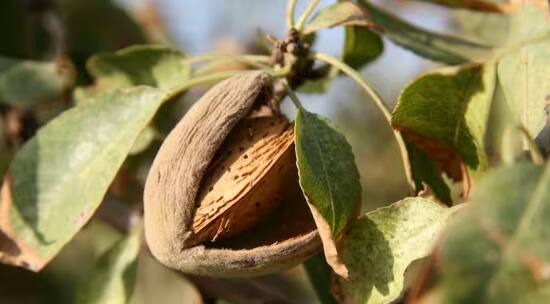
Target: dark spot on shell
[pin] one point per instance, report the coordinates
(211, 188)
(241, 148)
(245, 156)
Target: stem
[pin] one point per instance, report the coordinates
(353, 74)
(280, 72)
(533, 148)
(290, 8)
(305, 16)
(293, 97)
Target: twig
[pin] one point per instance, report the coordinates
(292, 95)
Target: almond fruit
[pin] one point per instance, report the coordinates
(222, 196)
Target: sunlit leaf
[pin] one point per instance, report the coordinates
(497, 250)
(154, 65)
(60, 176)
(445, 113)
(113, 277)
(24, 82)
(523, 71)
(381, 245)
(328, 177)
(492, 29)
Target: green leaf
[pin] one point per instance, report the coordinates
(329, 179)
(523, 71)
(153, 65)
(529, 25)
(381, 245)
(337, 14)
(320, 276)
(328, 174)
(431, 45)
(497, 250)
(445, 113)
(492, 29)
(523, 75)
(24, 82)
(113, 278)
(361, 46)
(59, 177)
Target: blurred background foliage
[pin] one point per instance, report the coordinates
(68, 32)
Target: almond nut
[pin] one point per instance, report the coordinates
(222, 196)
